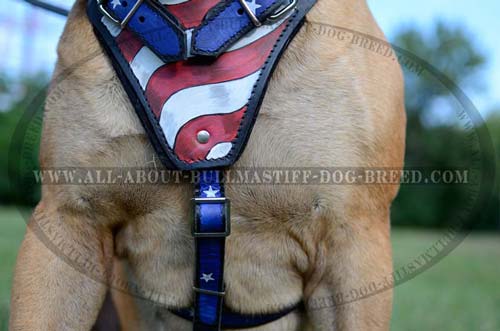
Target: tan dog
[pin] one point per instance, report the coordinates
(329, 104)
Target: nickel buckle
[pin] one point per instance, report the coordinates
(101, 5)
(273, 17)
(283, 11)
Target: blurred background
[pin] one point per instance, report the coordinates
(457, 38)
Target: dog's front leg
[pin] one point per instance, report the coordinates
(56, 281)
(352, 287)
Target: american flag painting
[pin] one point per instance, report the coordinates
(187, 97)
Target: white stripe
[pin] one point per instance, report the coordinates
(113, 28)
(256, 34)
(219, 150)
(219, 98)
(144, 65)
(172, 2)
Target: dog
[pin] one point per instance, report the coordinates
(329, 104)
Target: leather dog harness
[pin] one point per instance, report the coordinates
(196, 72)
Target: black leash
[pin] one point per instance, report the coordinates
(50, 7)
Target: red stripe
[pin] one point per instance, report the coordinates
(191, 13)
(129, 44)
(229, 66)
(222, 128)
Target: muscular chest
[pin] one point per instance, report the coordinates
(263, 268)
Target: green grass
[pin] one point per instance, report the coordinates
(12, 227)
(460, 293)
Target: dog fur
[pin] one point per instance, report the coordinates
(329, 104)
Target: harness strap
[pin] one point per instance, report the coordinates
(211, 226)
(152, 23)
(234, 320)
(224, 24)
(229, 20)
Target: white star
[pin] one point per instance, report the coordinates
(116, 3)
(207, 277)
(210, 192)
(253, 5)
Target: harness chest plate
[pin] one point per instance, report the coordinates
(196, 66)
(196, 72)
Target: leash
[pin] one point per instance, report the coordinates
(196, 72)
(49, 7)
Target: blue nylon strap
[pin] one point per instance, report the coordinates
(157, 28)
(210, 218)
(227, 22)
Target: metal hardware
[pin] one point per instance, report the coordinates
(282, 12)
(250, 13)
(203, 136)
(227, 219)
(102, 9)
(124, 22)
(131, 13)
(273, 17)
(209, 292)
(221, 295)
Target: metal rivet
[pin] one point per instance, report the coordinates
(203, 137)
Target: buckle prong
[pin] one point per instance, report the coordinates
(250, 13)
(131, 13)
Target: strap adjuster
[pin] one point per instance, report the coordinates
(101, 5)
(283, 11)
(227, 223)
(273, 17)
(220, 300)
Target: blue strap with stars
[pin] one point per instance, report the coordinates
(211, 226)
(210, 229)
